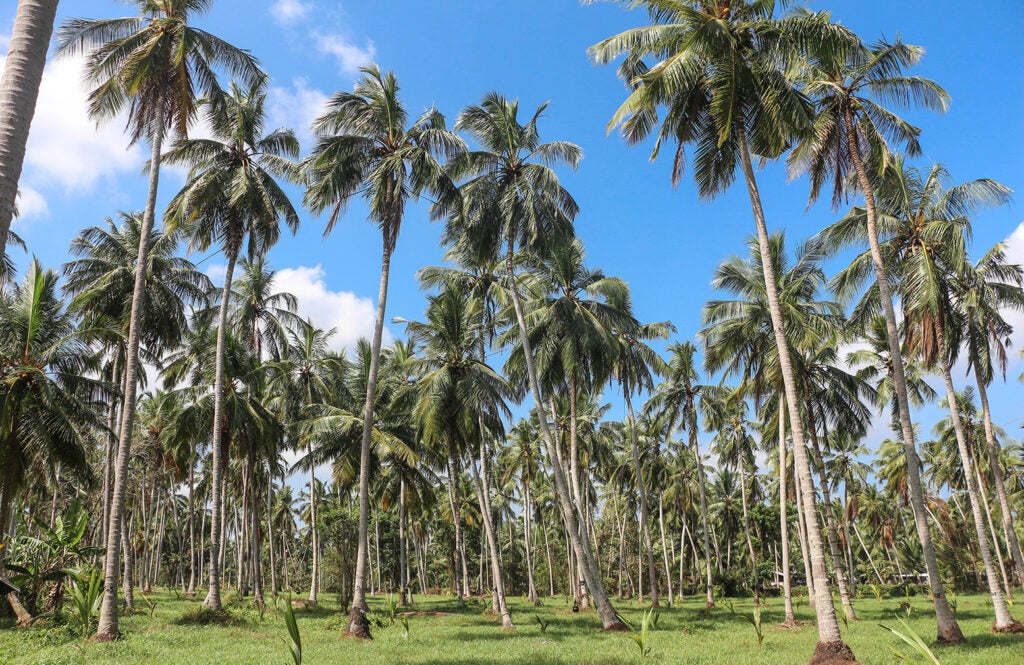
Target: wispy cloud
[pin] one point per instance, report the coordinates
(348, 56)
(289, 12)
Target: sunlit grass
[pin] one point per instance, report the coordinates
(452, 636)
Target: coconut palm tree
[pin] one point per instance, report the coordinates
(719, 74)
(853, 131)
(460, 401)
(232, 197)
(267, 316)
(982, 293)
(932, 227)
(100, 280)
(19, 89)
(678, 399)
(510, 200)
(151, 65)
(366, 146)
(45, 405)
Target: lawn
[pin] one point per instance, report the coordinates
(447, 635)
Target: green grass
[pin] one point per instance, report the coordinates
(462, 637)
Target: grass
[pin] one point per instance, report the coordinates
(684, 636)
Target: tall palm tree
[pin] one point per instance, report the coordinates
(460, 399)
(365, 146)
(512, 199)
(719, 73)
(853, 131)
(19, 89)
(308, 374)
(232, 197)
(677, 399)
(982, 293)
(932, 229)
(151, 65)
(101, 278)
(45, 404)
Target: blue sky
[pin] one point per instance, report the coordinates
(663, 241)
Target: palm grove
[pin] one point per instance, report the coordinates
(433, 485)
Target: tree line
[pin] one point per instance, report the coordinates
(431, 480)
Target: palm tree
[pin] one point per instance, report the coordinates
(853, 131)
(19, 89)
(150, 64)
(45, 407)
(512, 199)
(232, 196)
(460, 400)
(308, 374)
(718, 75)
(100, 280)
(677, 399)
(932, 225)
(982, 293)
(267, 316)
(364, 146)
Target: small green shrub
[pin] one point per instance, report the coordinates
(908, 635)
(86, 596)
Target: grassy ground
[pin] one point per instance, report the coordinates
(684, 635)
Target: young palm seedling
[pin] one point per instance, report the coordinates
(542, 623)
(642, 637)
(914, 640)
(293, 631)
(86, 595)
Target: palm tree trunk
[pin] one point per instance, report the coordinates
(830, 519)
(580, 545)
(270, 534)
(787, 588)
(108, 626)
(483, 491)
(1004, 623)
(531, 593)
(947, 626)
(645, 530)
(992, 530)
(701, 482)
(314, 537)
(831, 647)
(1012, 543)
(19, 89)
(867, 553)
(217, 481)
(457, 524)
(358, 624)
(664, 548)
(747, 529)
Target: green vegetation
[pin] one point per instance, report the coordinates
(684, 635)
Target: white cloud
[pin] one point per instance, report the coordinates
(65, 148)
(290, 11)
(1015, 255)
(351, 316)
(31, 205)
(295, 107)
(349, 56)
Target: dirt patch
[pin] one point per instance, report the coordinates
(789, 625)
(833, 653)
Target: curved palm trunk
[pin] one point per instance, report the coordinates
(645, 530)
(948, 628)
(580, 545)
(483, 485)
(830, 648)
(458, 573)
(358, 624)
(108, 626)
(19, 90)
(787, 588)
(830, 519)
(1012, 543)
(531, 592)
(801, 528)
(1004, 623)
(217, 482)
(695, 447)
(191, 528)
